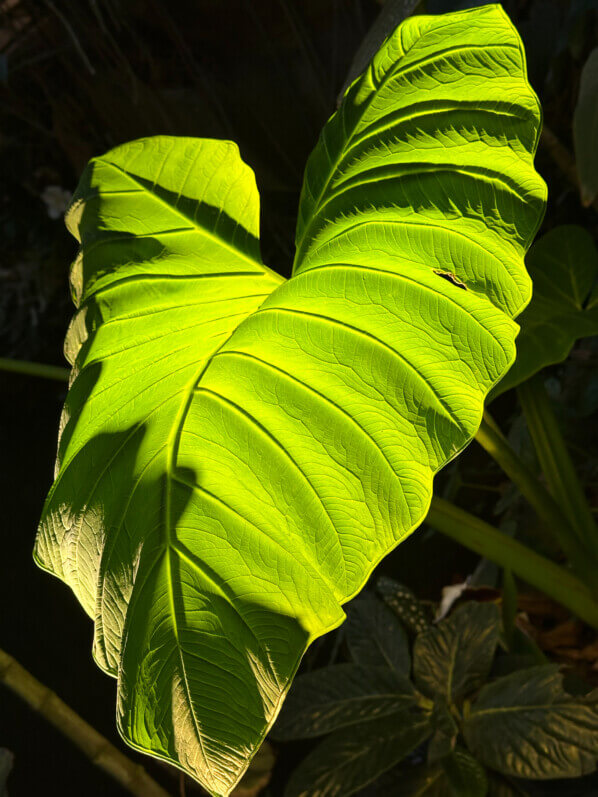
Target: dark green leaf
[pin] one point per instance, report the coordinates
(509, 606)
(446, 729)
(258, 775)
(6, 764)
(423, 781)
(454, 657)
(527, 726)
(585, 129)
(404, 604)
(524, 652)
(351, 759)
(385, 784)
(563, 265)
(498, 786)
(466, 777)
(345, 694)
(375, 636)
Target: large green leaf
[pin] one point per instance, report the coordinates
(526, 725)
(239, 452)
(563, 265)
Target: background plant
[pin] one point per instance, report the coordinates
(440, 714)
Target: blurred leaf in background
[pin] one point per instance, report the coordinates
(563, 265)
(585, 129)
(6, 764)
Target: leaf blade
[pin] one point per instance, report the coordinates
(454, 657)
(585, 127)
(563, 265)
(325, 700)
(349, 760)
(525, 725)
(375, 636)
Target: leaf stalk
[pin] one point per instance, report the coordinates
(556, 463)
(554, 520)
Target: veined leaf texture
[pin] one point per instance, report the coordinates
(238, 451)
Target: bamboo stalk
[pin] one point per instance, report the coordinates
(96, 747)
(34, 369)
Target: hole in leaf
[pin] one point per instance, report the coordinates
(450, 277)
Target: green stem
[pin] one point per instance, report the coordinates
(529, 566)
(556, 463)
(34, 369)
(554, 520)
(96, 747)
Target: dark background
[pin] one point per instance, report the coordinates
(80, 76)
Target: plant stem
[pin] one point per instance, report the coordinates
(529, 566)
(555, 521)
(96, 747)
(556, 463)
(34, 369)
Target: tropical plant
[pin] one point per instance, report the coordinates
(432, 717)
(238, 451)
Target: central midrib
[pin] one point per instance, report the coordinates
(170, 548)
